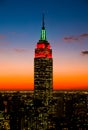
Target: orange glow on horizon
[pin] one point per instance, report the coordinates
(16, 83)
(71, 82)
(61, 82)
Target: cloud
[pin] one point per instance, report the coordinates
(71, 39)
(20, 50)
(75, 38)
(85, 52)
(84, 35)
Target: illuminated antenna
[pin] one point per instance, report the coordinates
(43, 31)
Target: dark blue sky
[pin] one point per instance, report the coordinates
(63, 17)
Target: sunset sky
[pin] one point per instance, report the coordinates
(66, 23)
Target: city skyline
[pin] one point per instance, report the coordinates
(67, 31)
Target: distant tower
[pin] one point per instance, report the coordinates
(43, 81)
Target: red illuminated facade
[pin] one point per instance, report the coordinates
(43, 50)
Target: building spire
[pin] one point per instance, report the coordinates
(43, 24)
(43, 31)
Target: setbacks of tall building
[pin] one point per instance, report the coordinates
(43, 66)
(43, 82)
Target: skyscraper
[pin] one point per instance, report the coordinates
(43, 65)
(43, 81)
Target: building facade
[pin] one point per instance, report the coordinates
(43, 81)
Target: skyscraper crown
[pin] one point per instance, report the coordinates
(43, 48)
(43, 31)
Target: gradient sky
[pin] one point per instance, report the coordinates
(66, 23)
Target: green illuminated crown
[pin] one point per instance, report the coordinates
(43, 31)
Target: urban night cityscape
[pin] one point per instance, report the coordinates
(43, 65)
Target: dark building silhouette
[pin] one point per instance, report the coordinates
(67, 110)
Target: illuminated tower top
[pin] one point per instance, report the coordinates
(43, 48)
(43, 31)
(43, 82)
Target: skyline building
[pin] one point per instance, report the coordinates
(43, 65)
(43, 80)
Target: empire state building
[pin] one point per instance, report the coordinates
(43, 81)
(43, 65)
